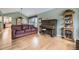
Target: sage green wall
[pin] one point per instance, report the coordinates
(77, 25)
(1, 23)
(14, 15)
(58, 14)
(54, 14)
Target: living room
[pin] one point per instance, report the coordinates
(38, 28)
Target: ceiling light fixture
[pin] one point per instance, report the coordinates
(21, 17)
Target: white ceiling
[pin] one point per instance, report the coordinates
(26, 11)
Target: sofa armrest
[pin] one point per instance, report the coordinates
(13, 33)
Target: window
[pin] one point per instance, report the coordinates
(33, 21)
(7, 21)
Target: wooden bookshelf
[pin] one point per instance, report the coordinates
(68, 24)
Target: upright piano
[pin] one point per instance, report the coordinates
(50, 26)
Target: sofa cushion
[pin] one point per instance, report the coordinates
(28, 30)
(30, 26)
(25, 27)
(33, 29)
(20, 32)
(17, 27)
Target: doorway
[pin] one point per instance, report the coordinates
(7, 21)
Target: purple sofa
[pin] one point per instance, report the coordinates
(22, 30)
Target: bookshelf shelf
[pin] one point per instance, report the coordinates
(68, 24)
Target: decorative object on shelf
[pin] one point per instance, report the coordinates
(68, 24)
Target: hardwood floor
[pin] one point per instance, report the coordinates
(33, 42)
